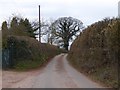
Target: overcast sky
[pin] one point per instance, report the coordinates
(88, 11)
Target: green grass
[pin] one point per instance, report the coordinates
(23, 65)
(26, 65)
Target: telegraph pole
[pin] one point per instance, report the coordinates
(39, 26)
(119, 9)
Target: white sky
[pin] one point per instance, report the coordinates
(88, 11)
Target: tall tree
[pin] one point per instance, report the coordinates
(45, 30)
(14, 23)
(4, 29)
(21, 26)
(14, 29)
(65, 28)
(29, 28)
(4, 26)
(4, 33)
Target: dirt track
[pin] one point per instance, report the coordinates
(57, 74)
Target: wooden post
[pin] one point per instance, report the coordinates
(39, 26)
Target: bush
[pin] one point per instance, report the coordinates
(96, 47)
(28, 53)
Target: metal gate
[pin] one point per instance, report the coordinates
(0, 59)
(5, 58)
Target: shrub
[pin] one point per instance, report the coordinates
(97, 46)
(27, 52)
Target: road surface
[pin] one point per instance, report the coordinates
(57, 74)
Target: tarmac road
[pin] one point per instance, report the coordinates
(57, 74)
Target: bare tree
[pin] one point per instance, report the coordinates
(44, 28)
(65, 28)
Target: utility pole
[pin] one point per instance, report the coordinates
(119, 9)
(39, 26)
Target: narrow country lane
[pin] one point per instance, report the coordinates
(57, 74)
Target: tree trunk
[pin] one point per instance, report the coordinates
(66, 44)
